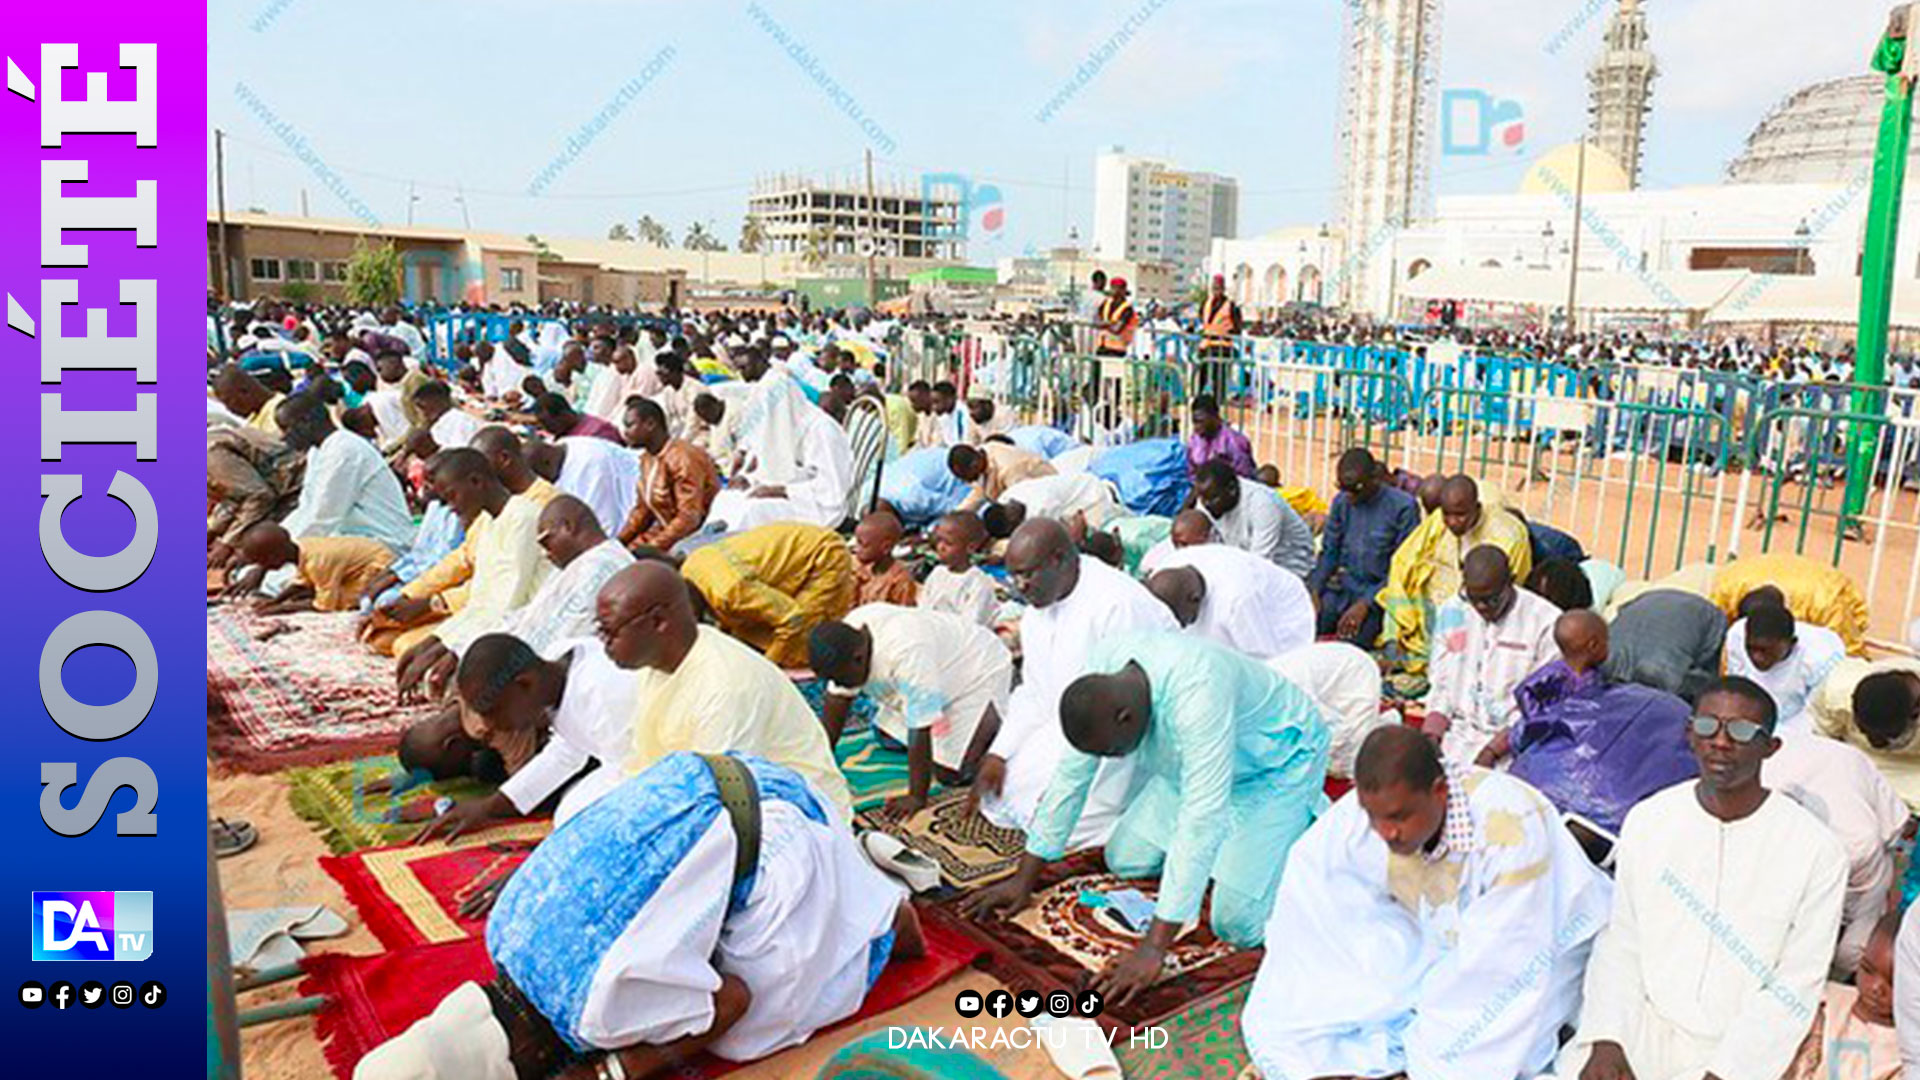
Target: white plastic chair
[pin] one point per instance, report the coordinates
(866, 426)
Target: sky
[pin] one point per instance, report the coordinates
(496, 101)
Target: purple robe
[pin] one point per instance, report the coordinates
(1227, 444)
(1595, 747)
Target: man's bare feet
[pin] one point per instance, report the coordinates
(908, 942)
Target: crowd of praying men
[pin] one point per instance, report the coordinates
(1606, 829)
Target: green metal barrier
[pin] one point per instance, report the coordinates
(1826, 432)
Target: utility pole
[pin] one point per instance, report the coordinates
(1896, 60)
(411, 199)
(1579, 198)
(461, 198)
(225, 278)
(873, 232)
(303, 202)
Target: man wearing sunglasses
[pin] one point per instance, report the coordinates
(1725, 912)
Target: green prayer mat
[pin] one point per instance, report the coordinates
(334, 799)
(1202, 1041)
(874, 772)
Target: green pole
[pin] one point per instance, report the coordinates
(1877, 264)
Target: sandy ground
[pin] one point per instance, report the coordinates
(283, 868)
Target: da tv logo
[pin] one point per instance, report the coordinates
(981, 212)
(1473, 123)
(92, 925)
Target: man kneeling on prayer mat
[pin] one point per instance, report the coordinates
(702, 690)
(709, 904)
(941, 683)
(329, 571)
(573, 708)
(1231, 759)
(1434, 923)
(772, 585)
(1725, 915)
(583, 559)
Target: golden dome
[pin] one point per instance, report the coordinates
(1558, 170)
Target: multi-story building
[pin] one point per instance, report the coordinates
(1387, 95)
(835, 224)
(1148, 211)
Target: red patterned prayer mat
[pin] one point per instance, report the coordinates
(373, 998)
(1059, 943)
(411, 895)
(310, 694)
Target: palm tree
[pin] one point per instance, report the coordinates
(653, 232)
(619, 232)
(817, 246)
(753, 234)
(699, 239)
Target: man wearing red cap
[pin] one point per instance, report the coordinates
(1118, 320)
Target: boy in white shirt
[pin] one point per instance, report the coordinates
(956, 585)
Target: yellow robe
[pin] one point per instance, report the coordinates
(1425, 573)
(1815, 592)
(723, 697)
(772, 585)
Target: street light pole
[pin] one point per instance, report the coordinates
(1579, 197)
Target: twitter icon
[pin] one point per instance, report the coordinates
(92, 994)
(1028, 1004)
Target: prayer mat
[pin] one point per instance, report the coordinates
(309, 695)
(971, 850)
(371, 999)
(335, 800)
(410, 895)
(1058, 943)
(1203, 1041)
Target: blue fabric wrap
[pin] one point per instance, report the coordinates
(1596, 747)
(584, 885)
(1151, 475)
(1039, 439)
(921, 487)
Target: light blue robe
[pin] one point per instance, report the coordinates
(1233, 759)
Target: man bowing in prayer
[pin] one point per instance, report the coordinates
(583, 560)
(701, 690)
(1436, 922)
(1073, 601)
(708, 904)
(1232, 757)
(1235, 599)
(1724, 920)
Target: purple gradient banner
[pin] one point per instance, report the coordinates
(161, 1035)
